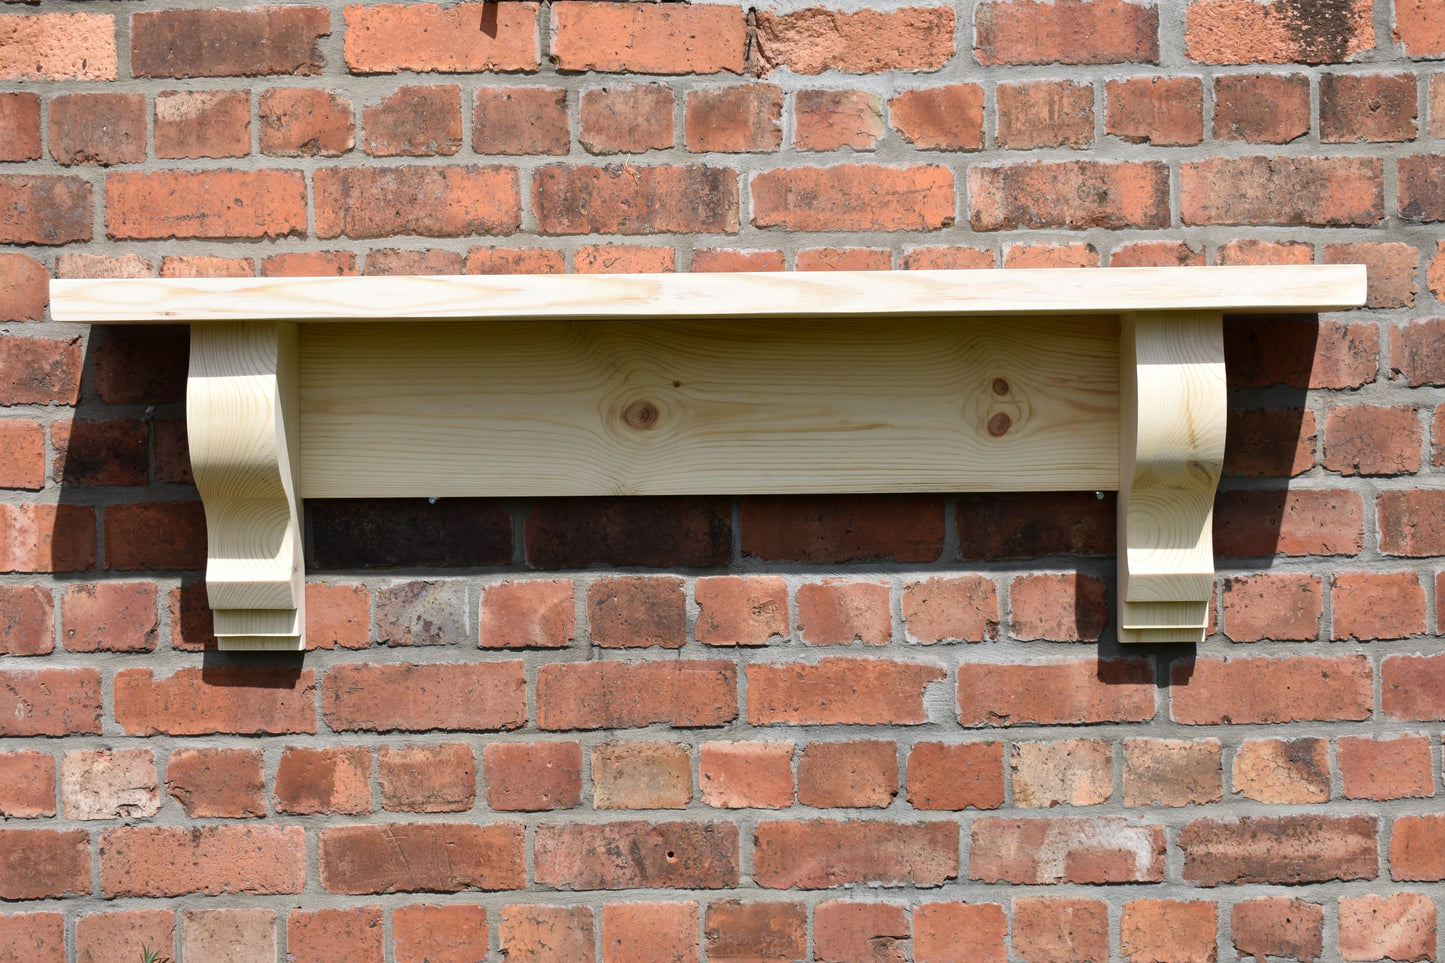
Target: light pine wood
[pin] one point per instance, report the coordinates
(689, 407)
(1172, 407)
(241, 412)
(813, 295)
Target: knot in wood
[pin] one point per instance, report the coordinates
(641, 415)
(999, 423)
(1000, 387)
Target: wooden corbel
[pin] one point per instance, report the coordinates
(694, 384)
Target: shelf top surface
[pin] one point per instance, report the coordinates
(841, 294)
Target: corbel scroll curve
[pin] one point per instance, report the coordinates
(240, 418)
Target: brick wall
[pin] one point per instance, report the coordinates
(828, 728)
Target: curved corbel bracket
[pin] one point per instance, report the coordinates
(1172, 408)
(241, 411)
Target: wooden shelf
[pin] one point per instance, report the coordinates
(708, 383)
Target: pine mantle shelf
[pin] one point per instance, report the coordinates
(1050, 380)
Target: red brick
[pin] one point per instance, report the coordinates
(33, 937)
(622, 695)
(746, 775)
(422, 613)
(518, 120)
(1277, 32)
(1069, 194)
(1169, 931)
(1278, 926)
(815, 39)
(27, 785)
(417, 857)
(953, 777)
(1058, 608)
(845, 932)
(57, 46)
(106, 784)
(46, 538)
(330, 780)
(142, 365)
(98, 128)
(49, 702)
(1058, 693)
(1164, 111)
(223, 43)
(193, 628)
(1367, 107)
(1437, 438)
(1371, 605)
(439, 934)
(415, 121)
(625, 259)
(1045, 113)
(854, 197)
(1279, 849)
(100, 452)
(335, 935)
(641, 775)
(428, 779)
(450, 201)
(1060, 930)
(756, 932)
(102, 937)
(102, 266)
(626, 119)
(155, 535)
(1396, 927)
(306, 122)
(1099, 849)
(1247, 252)
(839, 691)
(637, 612)
(218, 204)
(1437, 105)
(843, 528)
(650, 933)
(626, 199)
(647, 39)
(858, 774)
(736, 610)
(1270, 442)
(203, 123)
(205, 266)
(834, 119)
(1420, 28)
(1416, 352)
(945, 258)
(1412, 687)
(1283, 770)
(1261, 522)
(637, 855)
(1421, 199)
(528, 614)
(998, 526)
(20, 126)
(840, 611)
(396, 262)
(24, 282)
(391, 37)
(734, 120)
(1074, 772)
(1050, 256)
(1279, 608)
(245, 700)
(1261, 108)
(547, 934)
(527, 260)
(533, 776)
(44, 863)
(230, 935)
(1070, 32)
(959, 933)
(337, 616)
(224, 783)
(824, 853)
(1156, 254)
(1395, 768)
(1288, 191)
(939, 118)
(1416, 853)
(174, 860)
(22, 454)
(951, 609)
(27, 620)
(44, 209)
(1172, 772)
(1214, 691)
(1411, 522)
(476, 696)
